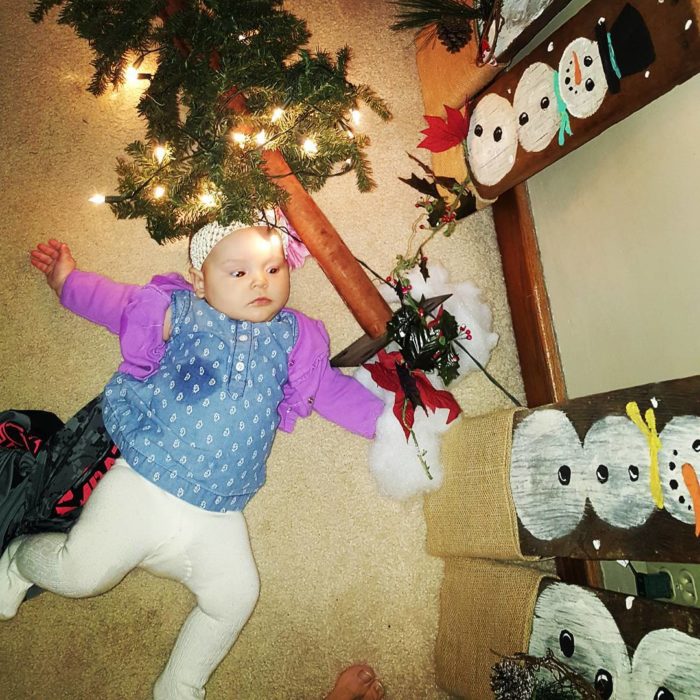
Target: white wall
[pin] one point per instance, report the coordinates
(617, 225)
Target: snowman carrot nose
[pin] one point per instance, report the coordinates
(577, 70)
(691, 482)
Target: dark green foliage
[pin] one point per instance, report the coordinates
(417, 14)
(426, 343)
(205, 53)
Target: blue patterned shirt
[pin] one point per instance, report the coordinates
(202, 426)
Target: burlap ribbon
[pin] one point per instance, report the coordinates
(473, 514)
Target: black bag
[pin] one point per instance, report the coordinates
(48, 470)
(22, 434)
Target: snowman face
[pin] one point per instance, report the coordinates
(672, 674)
(546, 474)
(617, 457)
(492, 139)
(679, 464)
(581, 632)
(582, 82)
(535, 107)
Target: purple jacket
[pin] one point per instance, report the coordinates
(136, 314)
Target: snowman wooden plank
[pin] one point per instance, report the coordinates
(626, 647)
(611, 476)
(608, 61)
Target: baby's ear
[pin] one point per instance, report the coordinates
(197, 277)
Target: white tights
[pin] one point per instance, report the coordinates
(129, 522)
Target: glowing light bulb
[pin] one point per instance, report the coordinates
(310, 147)
(261, 137)
(158, 191)
(207, 199)
(276, 114)
(131, 75)
(97, 199)
(239, 138)
(160, 152)
(356, 116)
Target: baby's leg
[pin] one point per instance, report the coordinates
(116, 530)
(221, 572)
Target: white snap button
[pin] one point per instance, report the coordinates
(243, 337)
(240, 366)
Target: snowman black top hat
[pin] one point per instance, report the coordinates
(627, 48)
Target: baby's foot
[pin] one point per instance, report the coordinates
(13, 586)
(357, 683)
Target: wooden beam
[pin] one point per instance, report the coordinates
(527, 296)
(530, 116)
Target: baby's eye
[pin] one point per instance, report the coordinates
(237, 273)
(273, 270)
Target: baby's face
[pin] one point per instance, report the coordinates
(245, 276)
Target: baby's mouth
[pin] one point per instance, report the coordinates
(260, 301)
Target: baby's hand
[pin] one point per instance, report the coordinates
(54, 259)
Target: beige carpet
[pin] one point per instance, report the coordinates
(345, 576)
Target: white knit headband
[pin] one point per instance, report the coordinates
(208, 236)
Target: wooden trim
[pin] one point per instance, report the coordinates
(533, 328)
(527, 295)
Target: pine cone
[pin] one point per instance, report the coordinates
(510, 681)
(454, 34)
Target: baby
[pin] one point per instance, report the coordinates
(210, 372)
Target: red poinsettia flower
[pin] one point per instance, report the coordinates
(442, 134)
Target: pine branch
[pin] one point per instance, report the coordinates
(416, 14)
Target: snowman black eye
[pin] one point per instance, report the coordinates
(602, 473)
(696, 445)
(590, 84)
(544, 102)
(603, 683)
(673, 484)
(663, 694)
(478, 130)
(566, 643)
(523, 119)
(587, 61)
(497, 134)
(633, 472)
(564, 475)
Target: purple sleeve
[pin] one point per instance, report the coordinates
(344, 401)
(96, 298)
(141, 326)
(135, 313)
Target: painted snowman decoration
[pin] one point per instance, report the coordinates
(589, 68)
(544, 97)
(679, 467)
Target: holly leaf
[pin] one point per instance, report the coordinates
(423, 186)
(442, 134)
(423, 266)
(467, 204)
(409, 386)
(439, 207)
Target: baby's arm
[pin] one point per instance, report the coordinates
(55, 260)
(92, 296)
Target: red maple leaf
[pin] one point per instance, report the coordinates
(442, 134)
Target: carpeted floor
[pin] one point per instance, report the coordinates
(345, 576)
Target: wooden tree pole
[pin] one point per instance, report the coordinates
(318, 234)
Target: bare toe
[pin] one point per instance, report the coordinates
(375, 692)
(354, 683)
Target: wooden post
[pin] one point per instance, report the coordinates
(316, 231)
